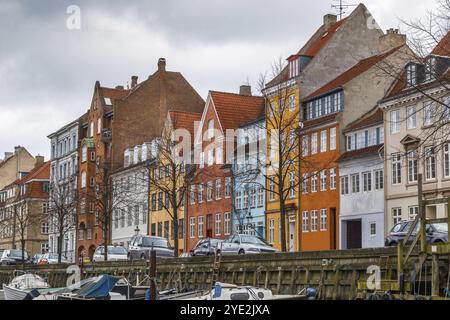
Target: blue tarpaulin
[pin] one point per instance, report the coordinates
(98, 288)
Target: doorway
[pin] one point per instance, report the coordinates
(292, 242)
(354, 239)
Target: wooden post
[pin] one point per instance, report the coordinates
(399, 260)
(423, 216)
(448, 214)
(435, 276)
(152, 274)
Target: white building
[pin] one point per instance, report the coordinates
(130, 199)
(362, 185)
(63, 184)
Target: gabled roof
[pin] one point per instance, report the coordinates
(373, 117)
(409, 139)
(443, 47)
(364, 152)
(234, 110)
(41, 172)
(184, 120)
(361, 67)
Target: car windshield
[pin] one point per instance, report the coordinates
(17, 253)
(398, 227)
(441, 227)
(117, 250)
(252, 240)
(151, 242)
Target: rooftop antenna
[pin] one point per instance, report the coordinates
(341, 7)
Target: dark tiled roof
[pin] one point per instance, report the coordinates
(235, 110)
(322, 120)
(360, 153)
(361, 67)
(375, 116)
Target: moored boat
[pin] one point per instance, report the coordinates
(24, 287)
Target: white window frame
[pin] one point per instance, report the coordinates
(323, 220)
(314, 221)
(333, 135)
(305, 221)
(314, 143)
(323, 141)
(395, 121)
(333, 177)
(396, 215)
(200, 226)
(192, 227)
(218, 224)
(411, 123)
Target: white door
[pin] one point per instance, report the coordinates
(291, 236)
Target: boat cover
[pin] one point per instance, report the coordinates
(98, 288)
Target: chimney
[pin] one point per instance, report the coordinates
(119, 87)
(8, 155)
(39, 160)
(329, 20)
(391, 40)
(134, 81)
(162, 65)
(245, 90)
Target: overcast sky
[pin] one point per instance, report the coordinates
(48, 71)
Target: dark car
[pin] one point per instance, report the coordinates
(206, 247)
(435, 233)
(13, 257)
(141, 245)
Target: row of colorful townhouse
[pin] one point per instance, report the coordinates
(326, 158)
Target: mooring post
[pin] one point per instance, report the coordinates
(423, 216)
(435, 275)
(399, 261)
(152, 274)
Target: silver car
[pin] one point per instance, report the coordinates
(245, 244)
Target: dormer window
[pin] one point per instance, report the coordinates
(108, 102)
(430, 68)
(411, 74)
(293, 67)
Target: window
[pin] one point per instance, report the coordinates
(271, 231)
(45, 207)
(314, 143)
(218, 224)
(413, 211)
(292, 184)
(200, 193)
(153, 201)
(314, 182)
(202, 159)
(395, 121)
(166, 230)
(210, 157)
(210, 129)
(238, 200)
(209, 191)
(323, 219)
(412, 119)
(430, 68)
(304, 183)
(84, 154)
(192, 195)
(253, 198)
(91, 133)
(323, 141)
(379, 179)
(218, 189)
(181, 228)
(323, 180)
(349, 143)
(200, 227)
(245, 204)
(411, 74)
(447, 160)
(227, 187)
(333, 139)
(314, 220)
(271, 189)
(304, 146)
(373, 228)
(355, 182)
(292, 102)
(396, 215)
(430, 163)
(429, 116)
(192, 227)
(227, 223)
(305, 223)
(44, 228)
(412, 166)
(260, 197)
(333, 179)
(160, 201)
(83, 180)
(396, 168)
(367, 181)
(99, 125)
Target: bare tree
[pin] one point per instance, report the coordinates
(63, 202)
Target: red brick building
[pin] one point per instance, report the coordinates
(209, 206)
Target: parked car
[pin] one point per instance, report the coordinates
(243, 244)
(435, 233)
(51, 258)
(36, 258)
(141, 245)
(206, 247)
(13, 257)
(115, 253)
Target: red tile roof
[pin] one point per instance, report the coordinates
(41, 172)
(235, 110)
(360, 152)
(318, 41)
(361, 67)
(443, 47)
(375, 116)
(184, 120)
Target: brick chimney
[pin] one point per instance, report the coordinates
(245, 90)
(329, 20)
(134, 81)
(39, 160)
(162, 65)
(390, 40)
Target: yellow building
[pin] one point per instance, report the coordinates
(168, 187)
